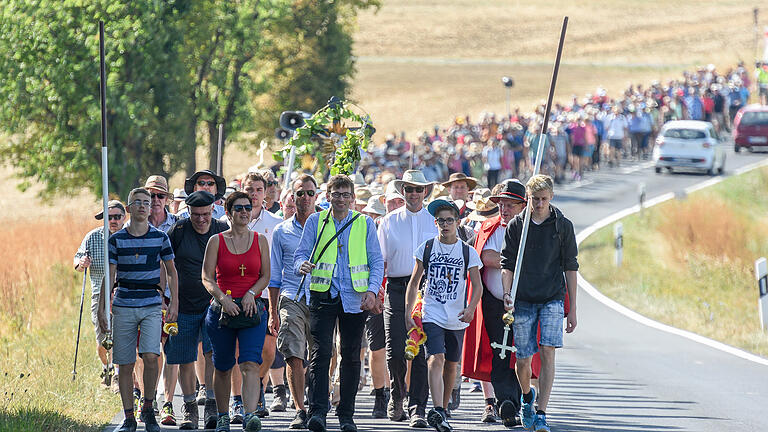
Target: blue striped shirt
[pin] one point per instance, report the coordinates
(138, 263)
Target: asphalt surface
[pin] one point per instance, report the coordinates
(615, 374)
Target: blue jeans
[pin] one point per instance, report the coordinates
(528, 317)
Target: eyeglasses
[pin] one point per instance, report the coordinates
(140, 203)
(116, 217)
(240, 207)
(446, 221)
(206, 183)
(345, 195)
(412, 189)
(158, 195)
(301, 193)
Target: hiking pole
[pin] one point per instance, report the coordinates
(107, 344)
(539, 156)
(79, 323)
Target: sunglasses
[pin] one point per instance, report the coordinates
(240, 207)
(158, 195)
(206, 183)
(115, 217)
(272, 183)
(446, 221)
(310, 193)
(412, 189)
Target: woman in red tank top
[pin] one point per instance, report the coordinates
(239, 260)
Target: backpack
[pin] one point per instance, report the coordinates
(428, 255)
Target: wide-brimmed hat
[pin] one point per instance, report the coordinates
(414, 178)
(221, 184)
(358, 180)
(512, 189)
(477, 195)
(361, 195)
(391, 192)
(179, 195)
(484, 208)
(456, 177)
(157, 183)
(375, 206)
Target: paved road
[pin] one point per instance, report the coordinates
(615, 374)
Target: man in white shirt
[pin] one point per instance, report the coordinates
(400, 234)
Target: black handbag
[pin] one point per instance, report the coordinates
(239, 321)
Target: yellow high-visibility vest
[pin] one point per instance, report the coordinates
(357, 255)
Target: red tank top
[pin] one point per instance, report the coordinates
(238, 273)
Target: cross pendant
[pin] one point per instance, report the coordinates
(503, 345)
(242, 270)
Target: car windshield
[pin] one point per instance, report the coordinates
(755, 118)
(684, 134)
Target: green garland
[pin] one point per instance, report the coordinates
(328, 138)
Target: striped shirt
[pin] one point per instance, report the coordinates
(138, 266)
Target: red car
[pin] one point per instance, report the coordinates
(750, 127)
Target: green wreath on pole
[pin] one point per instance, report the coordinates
(330, 137)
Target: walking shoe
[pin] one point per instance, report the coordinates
(299, 420)
(150, 423)
(261, 408)
(529, 413)
(129, 425)
(106, 375)
(168, 418)
(210, 414)
(346, 424)
(236, 412)
(418, 421)
(201, 395)
(540, 424)
(316, 424)
(438, 421)
(190, 416)
(222, 425)
(380, 404)
(395, 410)
(453, 404)
(489, 414)
(280, 400)
(508, 414)
(476, 387)
(251, 423)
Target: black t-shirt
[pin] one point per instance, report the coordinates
(275, 208)
(189, 248)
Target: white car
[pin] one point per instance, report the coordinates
(690, 144)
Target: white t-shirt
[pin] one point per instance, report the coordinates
(492, 276)
(265, 224)
(446, 286)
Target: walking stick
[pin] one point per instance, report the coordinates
(539, 155)
(79, 322)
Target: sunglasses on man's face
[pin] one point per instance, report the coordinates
(158, 195)
(310, 193)
(206, 183)
(116, 217)
(272, 183)
(412, 189)
(240, 207)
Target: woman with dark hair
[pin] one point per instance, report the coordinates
(235, 271)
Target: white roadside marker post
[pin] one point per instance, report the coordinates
(618, 242)
(761, 274)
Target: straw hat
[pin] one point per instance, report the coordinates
(456, 177)
(414, 178)
(375, 205)
(484, 208)
(361, 195)
(477, 195)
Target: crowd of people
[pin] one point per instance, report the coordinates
(291, 289)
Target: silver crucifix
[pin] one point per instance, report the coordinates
(508, 319)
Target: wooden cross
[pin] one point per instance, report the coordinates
(503, 345)
(242, 273)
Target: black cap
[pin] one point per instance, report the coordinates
(200, 199)
(221, 184)
(110, 205)
(512, 189)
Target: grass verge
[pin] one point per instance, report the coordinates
(689, 263)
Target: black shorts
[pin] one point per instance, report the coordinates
(374, 332)
(578, 151)
(442, 341)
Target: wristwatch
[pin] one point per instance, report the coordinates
(252, 293)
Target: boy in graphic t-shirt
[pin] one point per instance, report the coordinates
(446, 309)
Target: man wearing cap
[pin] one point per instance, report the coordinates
(208, 181)
(480, 361)
(400, 234)
(459, 186)
(189, 237)
(90, 256)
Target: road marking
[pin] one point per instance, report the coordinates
(597, 295)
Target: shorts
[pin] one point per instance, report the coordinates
(293, 337)
(616, 143)
(126, 324)
(442, 341)
(374, 332)
(100, 335)
(224, 341)
(528, 317)
(279, 361)
(182, 348)
(578, 150)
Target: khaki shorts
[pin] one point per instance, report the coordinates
(293, 338)
(126, 323)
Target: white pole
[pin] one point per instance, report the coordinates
(761, 274)
(105, 188)
(219, 155)
(289, 168)
(618, 242)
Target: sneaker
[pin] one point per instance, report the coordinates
(453, 404)
(489, 414)
(168, 418)
(438, 421)
(190, 416)
(508, 414)
(222, 425)
(210, 414)
(150, 423)
(236, 412)
(280, 400)
(316, 424)
(251, 423)
(476, 387)
(395, 410)
(529, 414)
(380, 404)
(540, 424)
(261, 408)
(201, 395)
(418, 421)
(299, 420)
(346, 424)
(128, 425)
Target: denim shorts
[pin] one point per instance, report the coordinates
(528, 317)
(224, 341)
(182, 348)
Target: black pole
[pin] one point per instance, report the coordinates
(79, 323)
